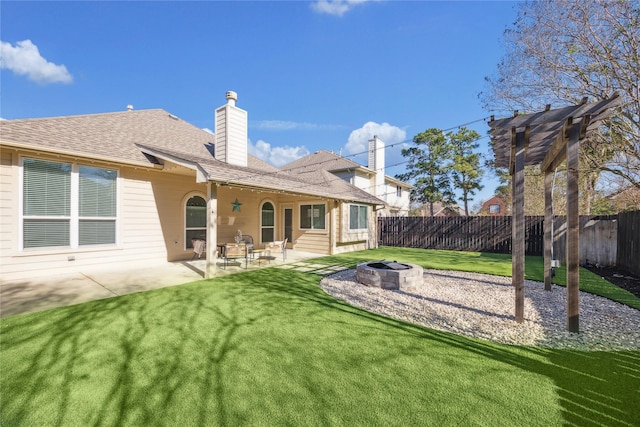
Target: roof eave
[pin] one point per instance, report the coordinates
(76, 154)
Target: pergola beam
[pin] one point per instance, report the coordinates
(545, 126)
(555, 153)
(559, 114)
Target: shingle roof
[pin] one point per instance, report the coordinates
(323, 159)
(110, 135)
(331, 162)
(125, 137)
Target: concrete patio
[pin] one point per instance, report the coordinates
(43, 293)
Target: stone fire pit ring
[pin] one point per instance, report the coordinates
(389, 274)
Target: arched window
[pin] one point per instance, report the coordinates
(195, 220)
(267, 222)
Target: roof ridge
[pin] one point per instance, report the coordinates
(109, 113)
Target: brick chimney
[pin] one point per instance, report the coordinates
(231, 132)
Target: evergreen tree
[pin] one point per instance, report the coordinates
(428, 168)
(465, 167)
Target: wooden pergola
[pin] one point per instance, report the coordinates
(547, 139)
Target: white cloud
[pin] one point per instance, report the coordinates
(277, 156)
(24, 58)
(358, 141)
(208, 130)
(335, 7)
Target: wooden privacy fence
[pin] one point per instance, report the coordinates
(459, 233)
(629, 242)
(606, 240)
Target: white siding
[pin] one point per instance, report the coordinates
(346, 176)
(396, 205)
(356, 240)
(8, 205)
(363, 182)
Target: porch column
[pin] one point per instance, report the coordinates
(212, 230)
(518, 237)
(573, 236)
(333, 229)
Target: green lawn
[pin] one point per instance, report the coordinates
(269, 348)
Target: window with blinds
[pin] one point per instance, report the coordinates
(46, 203)
(97, 206)
(50, 218)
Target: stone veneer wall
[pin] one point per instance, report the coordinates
(389, 279)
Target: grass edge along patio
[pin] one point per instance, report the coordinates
(269, 347)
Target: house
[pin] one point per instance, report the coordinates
(371, 178)
(625, 199)
(495, 206)
(133, 188)
(441, 209)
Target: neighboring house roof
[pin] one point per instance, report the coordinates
(626, 198)
(493, 200)
(325, 160)
(130, 137)
(440, 209)
(332, 162)
(397, 182)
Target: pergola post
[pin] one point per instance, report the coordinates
(212, 230)
(548, 228)
(573, 235)
(518, 237)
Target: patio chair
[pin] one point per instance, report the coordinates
(199, 247)
(248, 241)
(277, 247)
(234, 252)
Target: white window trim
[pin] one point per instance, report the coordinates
(74, 215)
(275, 219)
(185, 200)
(366, 226)
(318, 230)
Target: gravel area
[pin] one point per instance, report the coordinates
(482, 306)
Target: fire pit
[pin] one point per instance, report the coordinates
(388, 274)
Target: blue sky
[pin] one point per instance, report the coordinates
(312, 75)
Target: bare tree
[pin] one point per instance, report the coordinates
(559, 51)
